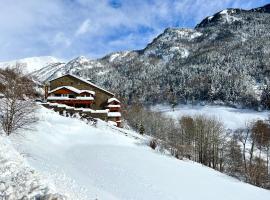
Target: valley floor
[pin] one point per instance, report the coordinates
(106, 163)
(232, 118)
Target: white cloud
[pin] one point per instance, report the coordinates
(60, 40)
(91, 27)
(84, 27)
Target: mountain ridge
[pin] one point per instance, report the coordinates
(223, 59)
(31, 64)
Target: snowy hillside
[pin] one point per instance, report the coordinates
(232, 118)
(110, 163)
(31, 64)
(17, 178)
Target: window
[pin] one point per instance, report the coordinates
(57, 95)
(71, 96)
(64, 95)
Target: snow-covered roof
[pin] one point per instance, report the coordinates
(113, 106)
(73, 89)
(85, 98)
(88, 91)
(113, 99)
(88, 82)
(114, 114)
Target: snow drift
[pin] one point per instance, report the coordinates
(17, 179)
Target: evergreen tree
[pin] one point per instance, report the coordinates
(141, 129)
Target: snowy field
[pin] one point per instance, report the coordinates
(232, 118)
(84, 163)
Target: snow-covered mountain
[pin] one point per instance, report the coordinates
(31, 64)
(104, 162)
(74, 66)
(81, 63)
(225, 58)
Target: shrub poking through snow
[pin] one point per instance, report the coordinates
(153, 144)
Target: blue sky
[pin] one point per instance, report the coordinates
(94, 28)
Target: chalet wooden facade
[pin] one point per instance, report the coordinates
(76, 92)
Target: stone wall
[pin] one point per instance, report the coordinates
(73, 111)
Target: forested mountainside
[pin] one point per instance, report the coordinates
(225, 58)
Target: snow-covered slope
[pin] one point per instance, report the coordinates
(31, 64)
(17, 179)
(110, 163)
(232, 118)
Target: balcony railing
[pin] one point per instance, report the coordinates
(55, 98)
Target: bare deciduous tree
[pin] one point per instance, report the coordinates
(17, 107)
(243, 136)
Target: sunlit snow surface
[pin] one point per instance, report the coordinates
(232, 118)
(17, 179)
(31, 64)
(85, 162)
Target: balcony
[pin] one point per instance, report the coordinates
(66, 98)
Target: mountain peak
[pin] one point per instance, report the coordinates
(79, 60)
(230, 15)
(222, 17)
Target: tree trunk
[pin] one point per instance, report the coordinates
(251, 153)
(267, 161)
(244, 158)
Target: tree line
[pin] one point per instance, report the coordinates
(242, 153)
